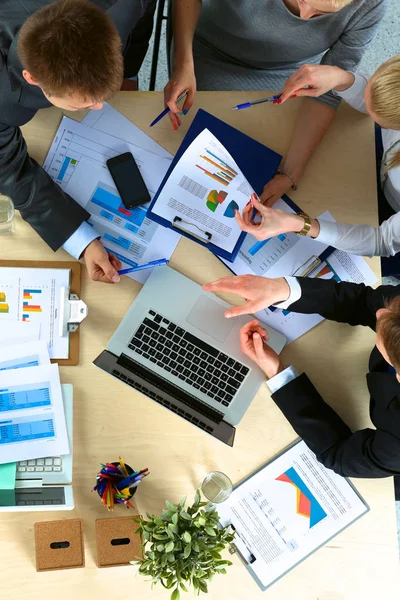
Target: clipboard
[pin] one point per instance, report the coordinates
(248, 565)
(257, 163)
(75, 289)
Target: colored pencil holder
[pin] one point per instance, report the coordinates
(130, 471)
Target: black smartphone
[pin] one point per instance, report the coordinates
(128, 180)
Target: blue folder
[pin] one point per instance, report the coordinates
(257, 163)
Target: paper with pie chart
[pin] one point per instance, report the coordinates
(204, 190)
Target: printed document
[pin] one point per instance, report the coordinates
(18, 332)
(287, 510)
(22, 356)
(33, 296)
(77, 163)
(289, 254)
(32, 421)
(204, 190)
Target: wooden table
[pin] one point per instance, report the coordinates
(111, 419)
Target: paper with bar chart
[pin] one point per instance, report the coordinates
(32, 421)
(33, 296)
(287, 510)
(204, 190)
(292, 255)
(77, 163)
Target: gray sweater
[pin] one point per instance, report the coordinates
(257, 44)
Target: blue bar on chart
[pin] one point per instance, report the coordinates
(64, 167)
(118, 241)
(25, 396)
(15, 363)
(111, 202)
(258, 245)
(27, 428)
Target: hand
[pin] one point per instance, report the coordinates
(273, 220)
(252, 338)
(259, 292)
(182, 79)
(319, 79)
(101, 265)
(275, 188)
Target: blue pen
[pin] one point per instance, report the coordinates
(166, 110)
(149, 265)
(260, 101)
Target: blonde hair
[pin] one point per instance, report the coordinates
(394, 160)
(385, 92)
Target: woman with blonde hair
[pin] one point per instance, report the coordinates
(243, 45)
(379, 96)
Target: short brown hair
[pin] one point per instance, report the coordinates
(72, 46)
(388, 328)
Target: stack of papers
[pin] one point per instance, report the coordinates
(77, 163)
(32, 420)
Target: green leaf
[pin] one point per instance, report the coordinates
(169, 547)
(187, 551)
(175, 594)
(203, 586)
(185, 515)
(202, 521)
(160, 547)
(182, 502)
(183, 587)
(170, 557)
(171, 506)
(196, 547)
(164, 560)
(175, 518)
(214, 554)
(172, 528)
(187, 537)
(210, 531)
(158, 536)
(197, 498)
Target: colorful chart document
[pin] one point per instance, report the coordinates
(289, 254)
(77, 163)
(287, 510)
(31, 295)
(18, 332)
(204, 190)
(32, 421)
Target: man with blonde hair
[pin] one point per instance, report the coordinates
(68, 54)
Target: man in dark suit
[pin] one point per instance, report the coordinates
(365, 453)
(67, 54)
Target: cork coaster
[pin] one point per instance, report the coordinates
(117, 543)
(59, 545)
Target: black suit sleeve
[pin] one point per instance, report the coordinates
(54, 215)
(352, 303)
(366, 453)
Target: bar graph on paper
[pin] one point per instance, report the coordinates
(31, 303)
(261, 256)
(216, 168)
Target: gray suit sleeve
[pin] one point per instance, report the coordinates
(348, 50)
(54, 215)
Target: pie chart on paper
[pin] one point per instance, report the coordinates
(230, 209)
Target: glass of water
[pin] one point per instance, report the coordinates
(217, 487)
(6, 214)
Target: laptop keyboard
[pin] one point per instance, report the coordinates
(40, 465)
(189, 358)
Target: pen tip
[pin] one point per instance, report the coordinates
(234, 107)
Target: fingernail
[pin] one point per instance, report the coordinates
(249, 202)
(227, 316)
(256, 335)
(279, 101)
(115, 278)
(175, 127)
(293, 96)
(185, 112)
(275, 102)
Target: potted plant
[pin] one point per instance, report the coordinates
(183, 546)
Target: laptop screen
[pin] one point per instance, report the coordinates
(32, 496)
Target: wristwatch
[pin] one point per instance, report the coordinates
(306, 226)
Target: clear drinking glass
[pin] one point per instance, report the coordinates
(216, 487)
(6, 214)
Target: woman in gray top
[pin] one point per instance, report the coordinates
(257, 45)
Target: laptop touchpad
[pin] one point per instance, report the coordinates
(208, 316)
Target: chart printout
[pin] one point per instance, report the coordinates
(205, 189)
(288, 510)
(31, 295)
(32, 421)
(77, 163)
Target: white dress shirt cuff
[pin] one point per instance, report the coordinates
(77, 243)
(328, 232)
(354, 95)
(278, 381)
(295, 293)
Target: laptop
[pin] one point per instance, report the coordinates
(44, 483)
(175, 346)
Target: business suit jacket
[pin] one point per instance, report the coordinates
(51, 212)
(368, 452)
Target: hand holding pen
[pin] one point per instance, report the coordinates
(272, 99)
